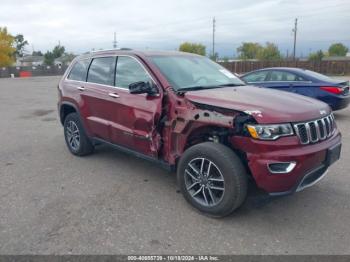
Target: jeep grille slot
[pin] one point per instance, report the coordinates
(315, 131)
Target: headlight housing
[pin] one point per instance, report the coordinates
(270, 132)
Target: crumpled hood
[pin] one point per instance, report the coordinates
(265, 105)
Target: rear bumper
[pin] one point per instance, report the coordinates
(337, 102)
(310, 162)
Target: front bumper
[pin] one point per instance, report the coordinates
(311, 162)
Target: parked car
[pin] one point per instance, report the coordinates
(189, 114)
(305, 82)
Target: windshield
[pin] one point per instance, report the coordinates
(190, 72)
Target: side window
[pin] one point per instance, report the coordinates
(283, 76)
(129, 71)
(256, 77)
(102, 71)
(79, 70)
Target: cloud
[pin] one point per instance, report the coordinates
(164, 24)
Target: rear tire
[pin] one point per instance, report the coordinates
(212, 178)
(77, 141)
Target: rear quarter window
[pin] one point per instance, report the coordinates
(79, 70)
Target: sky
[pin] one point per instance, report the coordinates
(81, 26)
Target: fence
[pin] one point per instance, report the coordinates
(21, 71)
(324, 67)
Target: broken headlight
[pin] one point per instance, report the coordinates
(270, 132)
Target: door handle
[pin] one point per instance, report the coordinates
(81, 88)
(114, 95)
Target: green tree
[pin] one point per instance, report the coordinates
(49, 58)
(6, 48)
(58, 51)
(194, 48)
(20, 43)
(37, 53)
(316, 56)
(249, 50)
(269, 52)
(337, 49)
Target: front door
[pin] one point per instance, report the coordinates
(135, 116)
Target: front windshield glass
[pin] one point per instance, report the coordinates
(187, 71)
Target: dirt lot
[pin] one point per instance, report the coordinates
(111, 203)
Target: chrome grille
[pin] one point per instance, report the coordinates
(315, 131)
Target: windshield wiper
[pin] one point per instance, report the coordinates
(232, 84)
(191, 88)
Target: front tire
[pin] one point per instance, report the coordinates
(77, 141)
(212, 178)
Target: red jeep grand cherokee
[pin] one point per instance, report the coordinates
(189, 114)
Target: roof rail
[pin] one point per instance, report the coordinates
(113, 49)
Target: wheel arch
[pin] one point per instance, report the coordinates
(67, 108)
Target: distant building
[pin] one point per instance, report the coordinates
(64, 60)
(30, 61)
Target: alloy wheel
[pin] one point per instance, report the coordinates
(73, 135)
(204, 182)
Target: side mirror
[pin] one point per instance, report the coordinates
(143, 88)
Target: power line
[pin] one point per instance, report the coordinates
(295, 36)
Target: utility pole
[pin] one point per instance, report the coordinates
(213, 54)
(295, 36)
(115, 41)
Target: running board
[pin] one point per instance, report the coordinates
(129, 151)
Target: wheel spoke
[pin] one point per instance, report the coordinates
(217, 188)
(192, 176)
(191, 186)
(211, 195)
(205, 197)
(197, 192)
(194, 169)
(208, 169)
(216, 179)
(202, 165)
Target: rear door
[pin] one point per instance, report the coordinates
(135, 116)
(280, 80)
(98, 105)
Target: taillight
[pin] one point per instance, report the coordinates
(332, 89)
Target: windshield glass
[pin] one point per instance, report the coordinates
(194, 71)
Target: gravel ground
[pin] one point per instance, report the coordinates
(110, 203)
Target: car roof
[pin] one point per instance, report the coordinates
(287, 69)
(142, 53)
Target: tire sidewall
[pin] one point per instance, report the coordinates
(230, 199)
